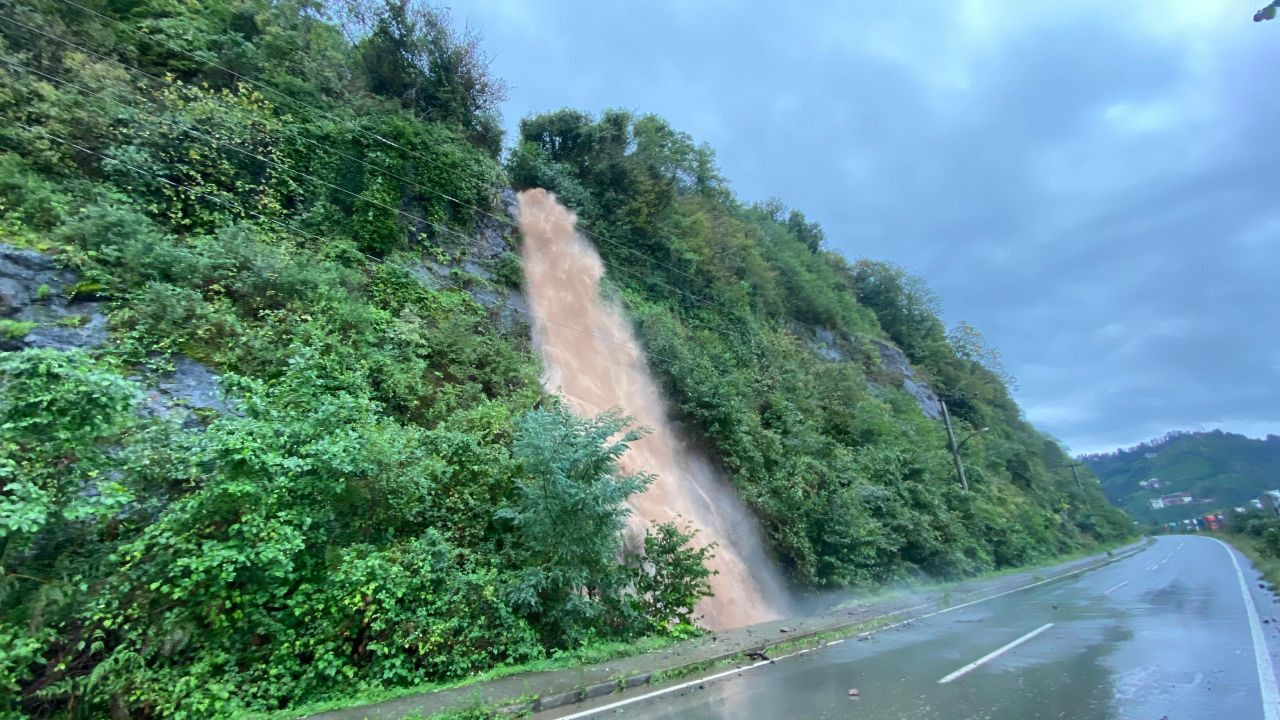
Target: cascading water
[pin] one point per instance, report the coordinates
(591, 358)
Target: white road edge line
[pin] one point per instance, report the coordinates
(663, 691)
(994, 654)
(1266, 674)
(1116, 587)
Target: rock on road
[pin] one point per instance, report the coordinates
(1166, 633)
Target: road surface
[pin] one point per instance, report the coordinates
(1166, 633)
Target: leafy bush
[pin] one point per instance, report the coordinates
(671, 580)
(567, 518)
(60, 415)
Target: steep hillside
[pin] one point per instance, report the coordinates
(1218, 469)
(271, 431)
(772, 346)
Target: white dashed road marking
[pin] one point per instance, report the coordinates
(994, 654)
(1116, 587)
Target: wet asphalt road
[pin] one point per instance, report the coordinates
(1162, 634)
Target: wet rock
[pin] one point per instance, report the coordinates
(472, 268)
(510, 203)
(189, 388)
(194, 385)
(493, 230)
(22, 272)
(70, 331)
(34, 290)
(484, 296)
(514, 312)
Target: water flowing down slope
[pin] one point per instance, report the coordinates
(592, 358)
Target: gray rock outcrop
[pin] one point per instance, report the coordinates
(189, 388)
(473, 264)
(893, 360)
(835, 346)
(35, 292)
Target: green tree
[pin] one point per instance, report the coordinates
(567, 516)
(410, 51)
(672, 579)
(970, 344)
(906, 308)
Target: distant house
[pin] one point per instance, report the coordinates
(1179, 498)
(1270, 501)
(1156, 503)
(1153, 483)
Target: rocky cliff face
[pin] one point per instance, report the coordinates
(886, 358)
(894, 362)
(43, 306)
(486, 264)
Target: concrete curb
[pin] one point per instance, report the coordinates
(516, 694)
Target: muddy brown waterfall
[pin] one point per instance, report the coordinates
(592, 358)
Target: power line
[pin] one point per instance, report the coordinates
(314, 109)
(310, 236)
(248, 153)
(504, 220)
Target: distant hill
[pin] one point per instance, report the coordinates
(1219, 470)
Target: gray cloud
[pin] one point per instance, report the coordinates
(1090, 185)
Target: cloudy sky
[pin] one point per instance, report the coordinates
(1091, 183)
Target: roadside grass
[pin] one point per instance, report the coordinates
(1252, 548)
(924, 586)
(587, 655)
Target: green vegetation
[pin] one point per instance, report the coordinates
(1257, 535)
(1222, 469)
(15, 329)
(853, 484)
(393, 500)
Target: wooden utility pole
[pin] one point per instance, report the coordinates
(955, 449)
(1077, 477)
